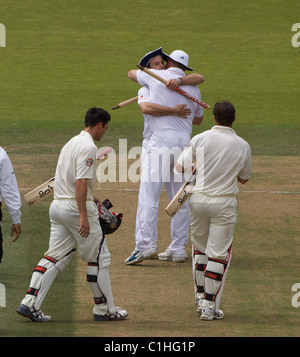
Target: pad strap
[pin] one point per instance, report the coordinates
(100, 300)
(32, 291)
(40, 269)
(213, 275)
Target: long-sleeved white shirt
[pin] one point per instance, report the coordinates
(9, 190)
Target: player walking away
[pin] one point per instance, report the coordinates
(167, 132)
(74, 222)
(9, 191)
(213, 204)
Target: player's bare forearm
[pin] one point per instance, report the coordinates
(153, 109)
(179, 168)
(192, 79)
(80, 195)
(197, 120)
(133, 75)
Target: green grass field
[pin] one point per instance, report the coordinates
(61, 58)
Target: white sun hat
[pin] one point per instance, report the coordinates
(180, 57)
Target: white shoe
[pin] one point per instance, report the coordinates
(199, 305)
(120, 314)
(210, 314)
(168, 255)
(33, 314)
(138, 256)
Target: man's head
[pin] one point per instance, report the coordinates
(157, 62)
(154, 59)
(96, 122)
(224, 113)
(178, 59)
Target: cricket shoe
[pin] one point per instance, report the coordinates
(210, 314)
(168, 255)
(33, 314)
(199, 305)
(120, 314)
(138, 256)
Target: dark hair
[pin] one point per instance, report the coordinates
(224, 113)
(95, 116)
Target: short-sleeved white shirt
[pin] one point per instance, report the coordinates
(9, 188)
(77, 160)
(160, 94)
(144, 97)
(221, 157)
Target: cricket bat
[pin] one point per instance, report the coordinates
(45, 189)
(126, 102)
(39, 192)
(181, 196)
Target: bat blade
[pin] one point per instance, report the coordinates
(181, 196)
(45, 189)
(39, 192)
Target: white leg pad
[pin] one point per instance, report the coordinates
(43, 278)
(199, 266)
(104, 279)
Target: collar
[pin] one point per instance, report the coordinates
(176, 70)
(223, 128)
(86, 134)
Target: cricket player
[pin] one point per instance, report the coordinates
(9, 191)
(222, 160)
(74, 222)
(146, 220)
(168, 133)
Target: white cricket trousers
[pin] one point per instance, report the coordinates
(158, 161)
(213, 221)
(64, 236)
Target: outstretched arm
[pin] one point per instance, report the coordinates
(192, 79)
(153, 109)
(133, 75)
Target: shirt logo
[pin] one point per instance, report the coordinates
(89, 162)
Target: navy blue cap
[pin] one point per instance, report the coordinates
(145, 60)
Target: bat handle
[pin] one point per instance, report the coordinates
(152, 74)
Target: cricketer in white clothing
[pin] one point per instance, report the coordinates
(9, 191)
(147, 225)
(75, 222)
(170, 134)
(222, 160)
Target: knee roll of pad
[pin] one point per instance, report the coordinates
(104, 260)
(92, 272)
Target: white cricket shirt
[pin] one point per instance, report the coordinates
(221, 157)
(160, 94)
(9, 190)
(77, 160)
(144, 96)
